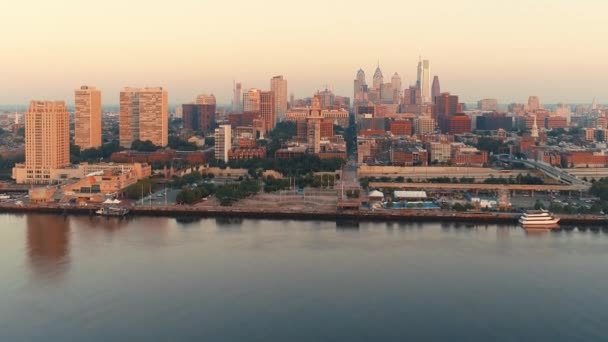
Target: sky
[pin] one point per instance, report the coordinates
(508, 50)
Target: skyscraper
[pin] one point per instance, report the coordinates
(47, 140)
(268, 110)
(199, 117)
(205, 99)
(424, 80)
(251, 100)
(87, 117)
(278, 86)
(533, 103)
(487, 105)
(396, 82)
(223, 142)
(435, 89)
(237, 98)
(143, 116)
(360, 85)
(378, 79)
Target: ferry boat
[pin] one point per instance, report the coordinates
(538, 219)
(112, 211)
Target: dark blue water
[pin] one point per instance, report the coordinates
(153, 279)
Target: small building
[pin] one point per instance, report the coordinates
(376, 196)
(410, 195)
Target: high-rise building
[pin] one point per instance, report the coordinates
(359, 82)
(425, 81)
(435, 89)
(459, 124)
(396, 82)
(278, 85)
(412, 96)
(446, 105)
(251, 100)
(47, 140)
(378, 79)
(326, 99)
(87, 117)
(223, 142)
(237, 98)
(268, 110)
(143, 116)
(487, 105)
(533, 103)
(205, 99)
(424, 125)
(199, 117)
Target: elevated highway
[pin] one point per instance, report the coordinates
(551, 171)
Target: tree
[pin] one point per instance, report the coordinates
(144, 146)
(539, 205)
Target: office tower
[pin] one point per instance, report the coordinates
(143, 116)
(424, 125)
(278, 86)
(446, 105)
(87, 117)
(223, 142)
(251, 100)
(533, 103)
(412, 96)
(292, 100)
(487, 105)
(386, 93)
(326, 98)
(424, 80)
(396, 82)
(268, 110)
(47, 139)
(459, 124)
(237, 98)
(359, 82)
(199, 117)
(205, 99)
(378, 79)
(435, 89)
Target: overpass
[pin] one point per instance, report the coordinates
(551, 171)
(475, 186)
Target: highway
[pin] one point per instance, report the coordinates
(551, 171)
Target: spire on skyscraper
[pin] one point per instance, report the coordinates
(534, 133)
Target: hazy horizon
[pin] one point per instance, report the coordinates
(479, 49)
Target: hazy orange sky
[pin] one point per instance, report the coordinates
(479, 48)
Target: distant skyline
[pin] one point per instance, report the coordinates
(479, 49)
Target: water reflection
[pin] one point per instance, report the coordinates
(109, 224)
(48, 245)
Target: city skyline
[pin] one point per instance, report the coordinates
(486, 55)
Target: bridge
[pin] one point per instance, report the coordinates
(475, 186)
(551, 171)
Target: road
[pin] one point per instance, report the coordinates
(551, 171)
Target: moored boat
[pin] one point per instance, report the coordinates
(538, 219)
(112, 211)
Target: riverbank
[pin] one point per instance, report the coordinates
(328, 215)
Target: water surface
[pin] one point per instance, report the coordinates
(154, 279)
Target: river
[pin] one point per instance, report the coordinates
(155, 279)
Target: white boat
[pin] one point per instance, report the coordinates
(540, 219)
(112, 211)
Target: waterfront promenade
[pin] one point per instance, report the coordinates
(331, 214)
